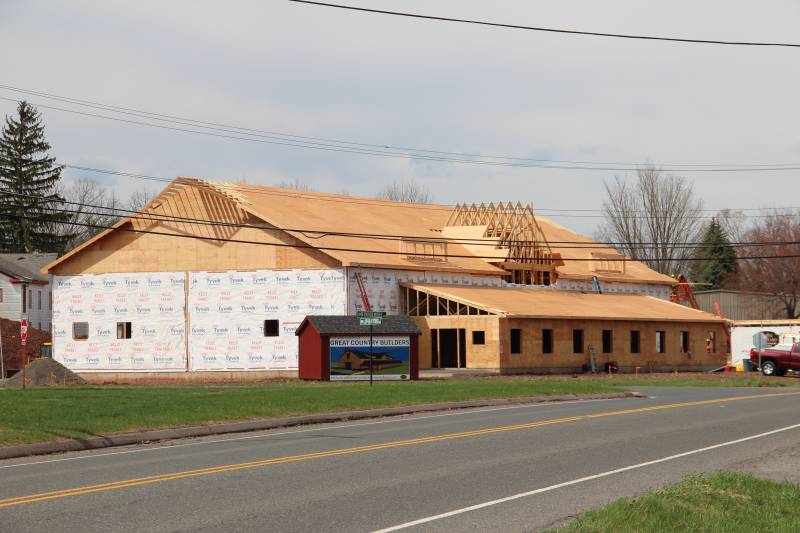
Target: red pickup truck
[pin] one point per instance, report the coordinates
(776, 360)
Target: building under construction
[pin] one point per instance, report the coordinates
(215, 277)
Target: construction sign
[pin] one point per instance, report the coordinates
(351, 358)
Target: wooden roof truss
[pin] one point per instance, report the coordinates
(513, 225)
(194, 207)
(422, 303)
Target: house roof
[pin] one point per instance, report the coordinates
(26, 267)
(337, 223)
(570, 245)
(349, 325)
(329, 216)
(551, 303)
(347, 214)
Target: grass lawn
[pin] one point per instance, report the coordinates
(724, 502)
(51, 413)
(682, 379)
(695, 379)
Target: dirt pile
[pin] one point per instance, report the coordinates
(12, 351)
(44, 371)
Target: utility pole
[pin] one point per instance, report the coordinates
(23, 335)
(2, 361)
(23, 338)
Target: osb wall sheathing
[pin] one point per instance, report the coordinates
(495, 353)
(123, 251)
(478, 355)
(148, 250)
(647, 358)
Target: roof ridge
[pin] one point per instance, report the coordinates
(296, 193)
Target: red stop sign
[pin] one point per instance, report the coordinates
(23, 331)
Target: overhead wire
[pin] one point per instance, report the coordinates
(332, 147)
(550, 30)
(157, 218)
(383, 146)
(316, 234)
(261, 190)
(381, 252)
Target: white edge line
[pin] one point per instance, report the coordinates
(579, 480)
(390, 419)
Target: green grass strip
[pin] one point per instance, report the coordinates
(708, 380)
(724, 502)
(52, 413)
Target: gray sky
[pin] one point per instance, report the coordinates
(321, 72)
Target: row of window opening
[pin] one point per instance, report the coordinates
(578, 341)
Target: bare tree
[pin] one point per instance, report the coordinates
(650, 218)
(734, 223)
(139, 198)
(295, 184)
(409, 192)
(775, 275)
(92, 208)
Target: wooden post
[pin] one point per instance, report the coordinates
(458, 346)
(438, 348)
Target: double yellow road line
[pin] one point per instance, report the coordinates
(148, 480)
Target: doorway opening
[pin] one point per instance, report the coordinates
(449, 348)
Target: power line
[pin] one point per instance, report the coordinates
(321, 233)
(372, 251)
(550, 30)
(318, 234)
(383, 146)
(332, 147)
(731, 209)
(298, 144)
(278, 192)
(366, 201)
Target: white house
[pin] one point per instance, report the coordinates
(25, 291)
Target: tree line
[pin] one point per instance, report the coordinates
(658, 220)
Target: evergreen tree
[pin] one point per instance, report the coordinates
(29, 187)
(721, 261)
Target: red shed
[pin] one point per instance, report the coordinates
(337, 348)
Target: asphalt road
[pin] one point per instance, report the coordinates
(520, 468)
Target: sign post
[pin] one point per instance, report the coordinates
(370, 318)
(371, 356)
(2, 360)
(23, 338)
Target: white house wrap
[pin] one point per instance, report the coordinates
(383, 286)
(227, 311)
(153, 305)
(225, 316)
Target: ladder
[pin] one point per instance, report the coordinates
(683, 293)
(363, 291)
